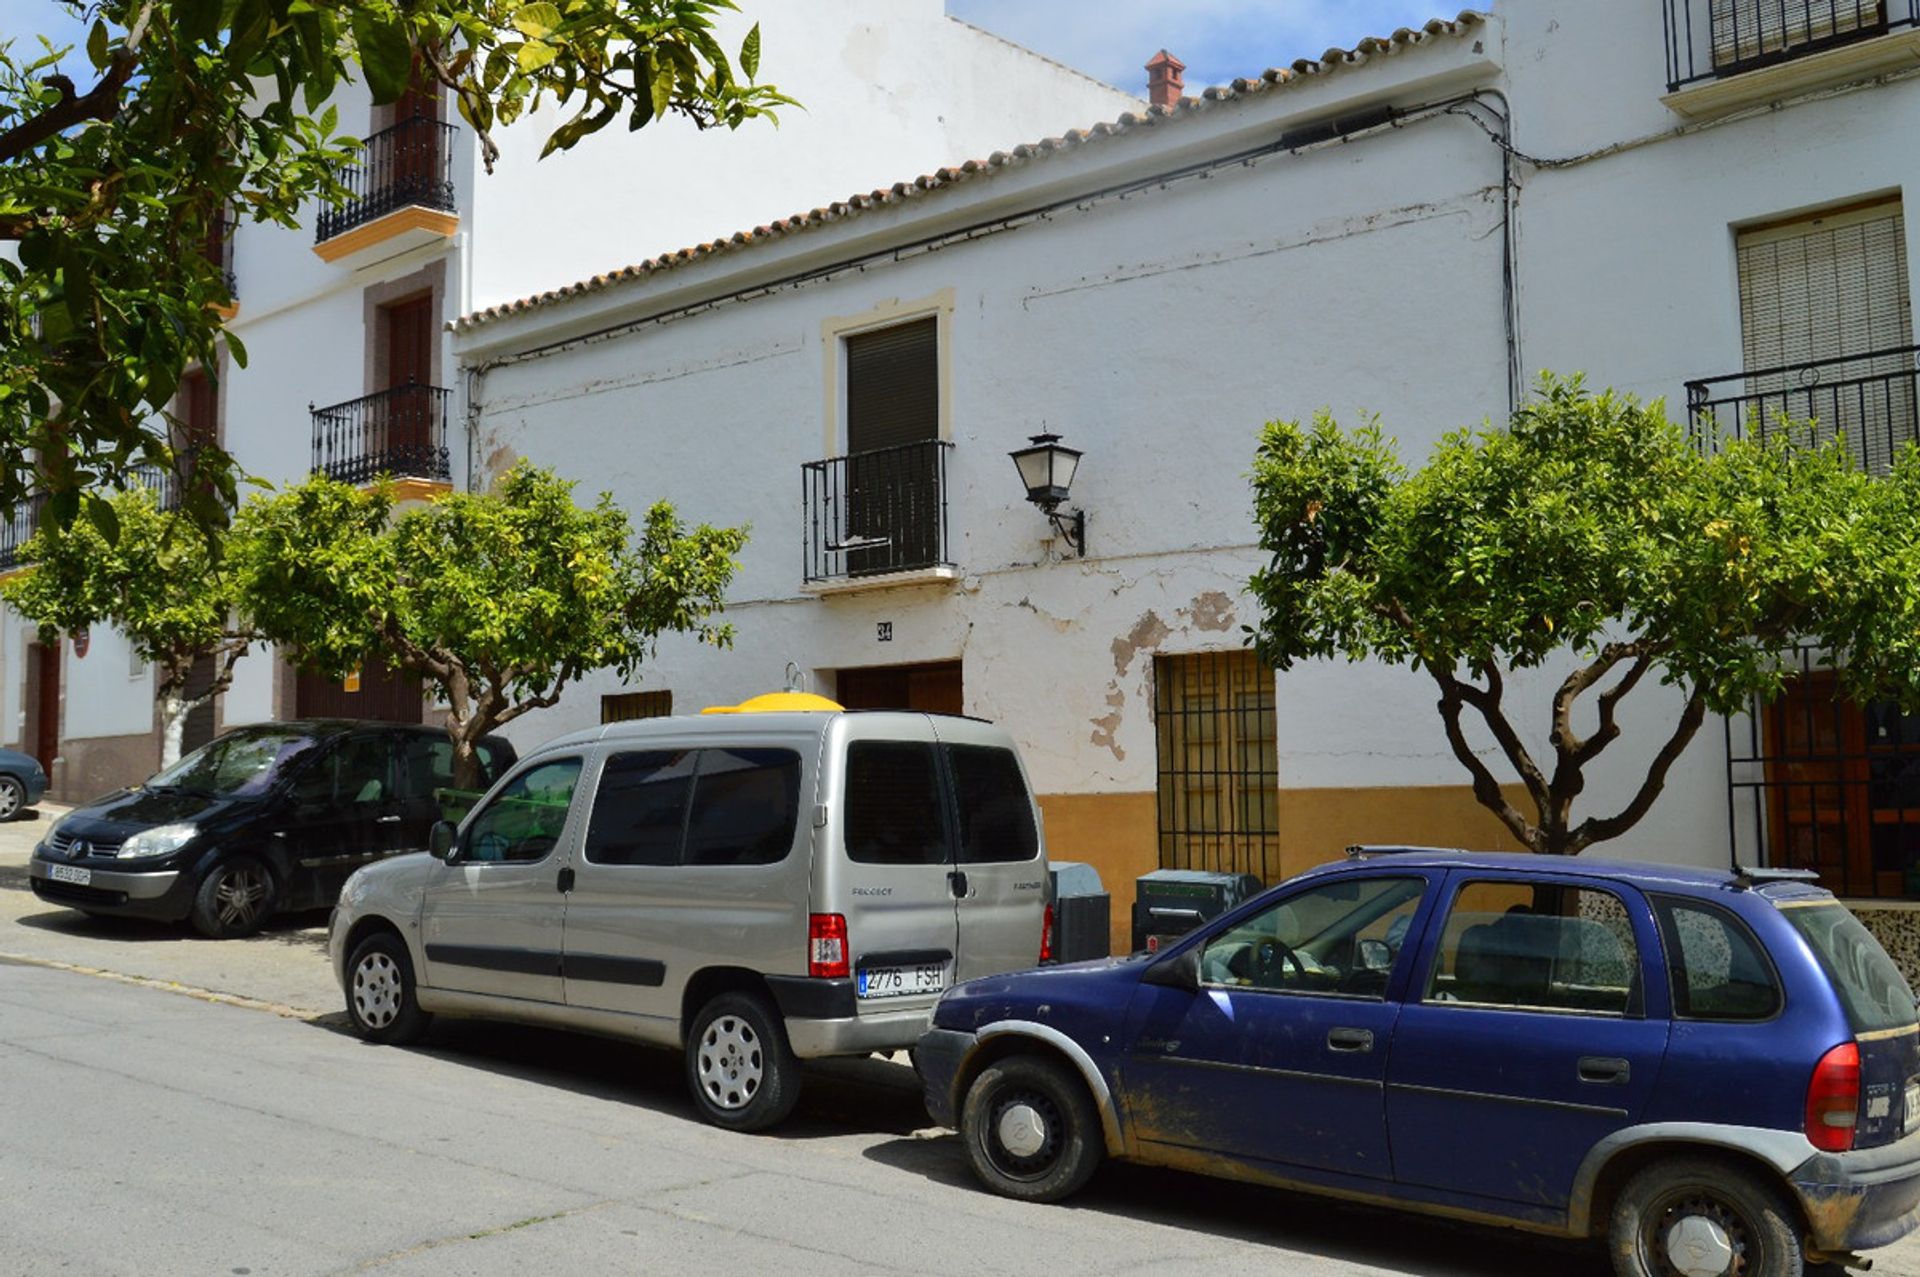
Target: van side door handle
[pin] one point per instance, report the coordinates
(565, 881)
(957, 883)
(1603, 1070)
(1350, 1040)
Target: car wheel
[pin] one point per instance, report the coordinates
(739, 1066)
(1030, 1129)
(1698, 1216)
(13, 797)
(380, 991)
(235, 899)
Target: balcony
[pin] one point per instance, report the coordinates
(18, 523)
(876, 519)
(219, 251)
(401, 196)
(399, 434)
(1870, 398)
(1723, 55)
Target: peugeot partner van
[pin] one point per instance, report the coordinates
(752, 887)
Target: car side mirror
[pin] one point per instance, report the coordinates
(1376, 955)
(1176, 971)
(440, 841)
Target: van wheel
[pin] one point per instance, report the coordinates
(1030, 1129)
(741, 1070)
(235, 899)
(1699, 1215)
(380, 991)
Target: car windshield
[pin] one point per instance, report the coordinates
(238, 765)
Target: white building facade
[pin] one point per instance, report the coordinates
(344, 320)
(1641, 190)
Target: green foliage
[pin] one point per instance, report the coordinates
(1590, 526)
(499, 600)
(109, 189)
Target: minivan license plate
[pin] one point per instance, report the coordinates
(69, 873)
(903, 982)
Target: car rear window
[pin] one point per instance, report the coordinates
(996, 815)
(1537, 947)
(894, 805)
(1714, 965)
(1871, 988)
(745, 803)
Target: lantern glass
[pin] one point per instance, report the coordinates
(1047, 469)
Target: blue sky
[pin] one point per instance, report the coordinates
(1110, 39)
(1217, 39)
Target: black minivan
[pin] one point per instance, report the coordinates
(265, 818)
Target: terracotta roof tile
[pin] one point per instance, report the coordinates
(1330, 62)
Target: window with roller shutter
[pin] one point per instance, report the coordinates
(894, 503)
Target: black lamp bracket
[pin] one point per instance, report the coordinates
(1072, 528)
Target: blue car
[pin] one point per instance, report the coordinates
(1718, 1073)
(23, 782)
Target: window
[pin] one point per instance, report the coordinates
(1831, 291)
(427, 765)
(640, 810)
(524, 821)
(625, 707)
(894, 505)
(1714, 965)
(895, 808)
(1870, 986)
(1219, 776)
(996, 813)
(1750, 31)
(745, 805)
(1340, 938)
(356, 772)
(1538, 947)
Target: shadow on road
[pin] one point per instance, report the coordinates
(1370, 1237)
(304, 930)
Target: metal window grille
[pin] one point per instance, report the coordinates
(400, 432)
(875, 512)
(1817, 781)
(1710, 39)
(624, 707)
(1218, 771)
(408, 164)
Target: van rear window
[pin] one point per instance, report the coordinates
(996, 815)
(894, 805)
(1870, 986)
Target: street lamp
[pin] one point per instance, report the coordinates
(1047, 468)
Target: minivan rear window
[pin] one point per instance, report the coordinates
(1870, 986)
(895, 810)
(996, 815)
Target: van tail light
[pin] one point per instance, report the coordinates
(1833, 1099)
(827, 946)
(1046, 934)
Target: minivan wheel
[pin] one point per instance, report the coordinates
(1701, 1217)
(1030, 1129)
(380, 991)
(235, 899)
(742, 1072)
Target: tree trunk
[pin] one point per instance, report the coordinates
(465, 735)
(174, 709)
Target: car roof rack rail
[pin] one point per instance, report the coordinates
(1364, 851)
(1746, 877)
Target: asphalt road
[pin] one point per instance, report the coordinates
(241, 1130)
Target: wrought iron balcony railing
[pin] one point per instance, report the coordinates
(1710, 39)
(410, 163)
(18, 523)
(870, 513)
(1871, 399)
(219, 250)
(400, 432)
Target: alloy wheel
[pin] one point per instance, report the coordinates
(10, 797)
(241, 895)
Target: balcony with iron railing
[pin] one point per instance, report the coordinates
(1712, 43)
(18, 523)
(399, 433)
(877, 518)
(219, 251)
(1869, 399)
(402, 186)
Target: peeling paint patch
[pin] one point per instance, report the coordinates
(1106, 730)
(1148, 632)
(1212, 611)
(1060, 623)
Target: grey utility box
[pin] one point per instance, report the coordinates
(1082, 912)
(1168, 903)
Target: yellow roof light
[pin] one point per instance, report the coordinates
(779, 703)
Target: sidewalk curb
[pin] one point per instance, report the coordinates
(168, 986)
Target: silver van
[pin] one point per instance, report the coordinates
(753, 887)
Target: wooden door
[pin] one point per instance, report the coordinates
(893, 421)
(46, 674)
(1816, 784)
(933, 688)
(416, 144)
(379, 695)
(409, 406)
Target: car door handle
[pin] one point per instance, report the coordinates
(1349, 1040)
(565, 881)
(1604, 1070)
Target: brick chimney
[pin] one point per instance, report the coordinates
(1164, 85)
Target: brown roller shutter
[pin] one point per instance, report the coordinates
(893, 386)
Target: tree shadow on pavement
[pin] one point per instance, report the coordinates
(304, 930)
(1372, 1237)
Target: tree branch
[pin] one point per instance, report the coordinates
(1486, 788)
(1487, 702)
(101, 102)
(1594, 830)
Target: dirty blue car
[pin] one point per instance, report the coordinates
(1715, 1072)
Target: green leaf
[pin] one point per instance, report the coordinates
(385, 55)
(101, 512)
(97, 45)
(329, 119)
(533, 55)
(750, 53)
(538, 20)
(197, 21)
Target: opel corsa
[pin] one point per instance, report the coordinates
(1718, 1073)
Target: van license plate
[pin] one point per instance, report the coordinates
(903, 982)
(1912, 1119)
(68, 873)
